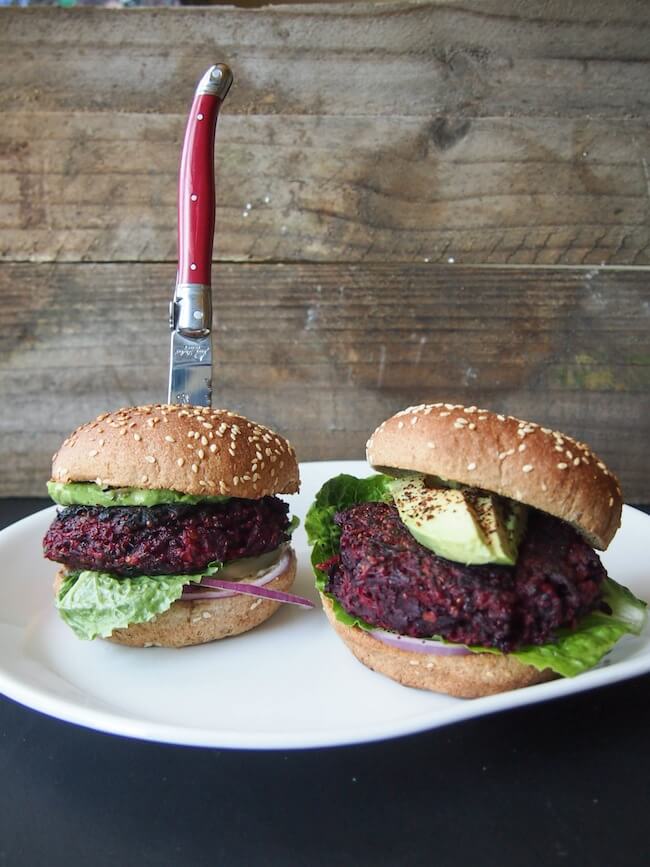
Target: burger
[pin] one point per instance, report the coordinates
(170, 531)
(467, 565)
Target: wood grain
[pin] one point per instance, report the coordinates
(499, 57)
(487, 132)
(324, 352)
(99, 187)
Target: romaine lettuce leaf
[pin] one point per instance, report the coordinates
(93, 604)
(337, 494)
(572, 651)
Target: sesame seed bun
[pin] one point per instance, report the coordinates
(194, 450)
(517, 459)
(470, 676)
(199, 621)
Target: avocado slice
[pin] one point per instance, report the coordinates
(460, 524)
(92, 494)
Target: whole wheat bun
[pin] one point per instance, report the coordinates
(517, 459)
(194, 450)
(471, 676)
(199, 621)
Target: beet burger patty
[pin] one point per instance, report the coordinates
(163, 540)
(467, 566)
(170, 531)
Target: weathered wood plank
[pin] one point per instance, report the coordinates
(102, 187)
(420, 58)
(324, 352)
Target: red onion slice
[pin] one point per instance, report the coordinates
(419, 645)
(254, 590)
(223, 588)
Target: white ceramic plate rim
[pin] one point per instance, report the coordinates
(635, 660)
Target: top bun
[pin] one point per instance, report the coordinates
(191, 449)
(516, 459)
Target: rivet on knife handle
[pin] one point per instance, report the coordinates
(190, 374)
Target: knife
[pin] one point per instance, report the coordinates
(190, 312)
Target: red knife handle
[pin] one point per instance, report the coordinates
(196, 200)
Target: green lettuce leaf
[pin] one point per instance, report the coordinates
(93, 604)
(572, 650)
(576, 650)
(337, 494)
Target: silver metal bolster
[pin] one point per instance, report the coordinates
(216, 81)
(190, 313)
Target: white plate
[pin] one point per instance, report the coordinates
(288, 684)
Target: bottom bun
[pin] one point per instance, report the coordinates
(197, 622)
(470, 676)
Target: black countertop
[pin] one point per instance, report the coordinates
(564, 782)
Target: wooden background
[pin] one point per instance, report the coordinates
(416, 200)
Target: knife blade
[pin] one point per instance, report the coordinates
(190, 312)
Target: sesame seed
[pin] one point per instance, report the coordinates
(123, 432)
(562, 466)
(213, 447)
(144, 479)
(150, 459)
(169, 439)
(443, 414)
(180, 461)
(101, 442)
(576, 462)
(137, 437)
(611, 501)
(522, 447)
(92, 453)
(471, 426)
(527, 468)
(414, 419)
(201, 453)
(235, 480)
(400, 424)
(202, 483)
(195, 469)
(471, 466)
(431, 445)
(544, 486)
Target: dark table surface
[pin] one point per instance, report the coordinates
(565, 782)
